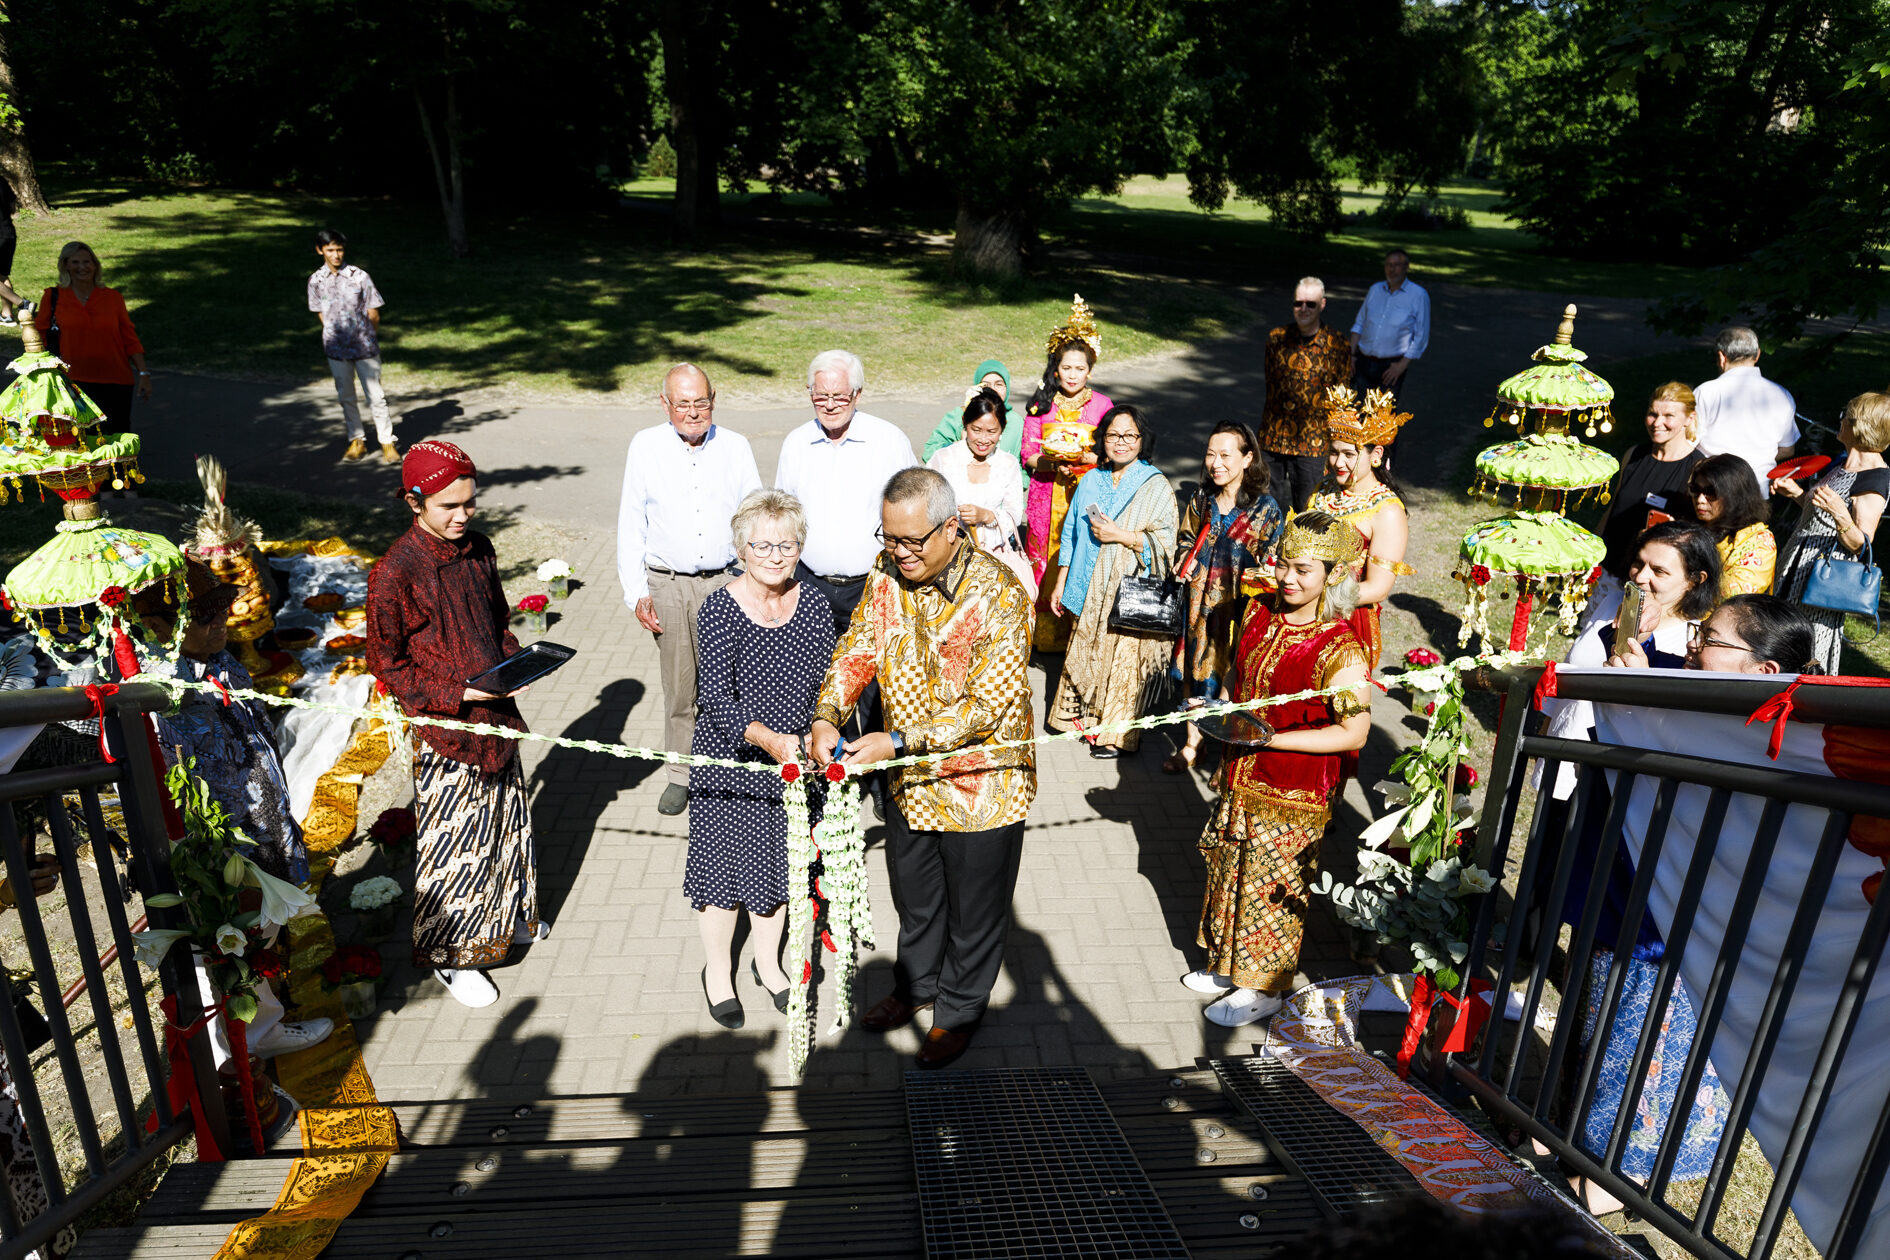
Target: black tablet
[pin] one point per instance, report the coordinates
(523, 667)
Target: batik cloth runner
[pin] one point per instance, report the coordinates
(1316, 1036)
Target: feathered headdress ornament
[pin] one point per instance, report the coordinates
(1079, 328)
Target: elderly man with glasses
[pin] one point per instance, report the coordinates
(836, 465)
(682, 482)
(1304, 359)
(945, 631)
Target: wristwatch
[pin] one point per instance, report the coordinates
(898, 743)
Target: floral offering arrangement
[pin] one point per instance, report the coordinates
(394, 832)
(375, 893)
(533, 604)
(552, 569)
(351, 964)
(211, 868)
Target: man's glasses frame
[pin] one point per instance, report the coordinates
(912, 546)
(828, 402)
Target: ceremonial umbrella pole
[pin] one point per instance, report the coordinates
(1549, 561)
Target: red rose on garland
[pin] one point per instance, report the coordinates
(1421, 657)
(1480, 574)
(113, 596)
(789, 772)
(534, 604)
(835, 772)
(268, 964)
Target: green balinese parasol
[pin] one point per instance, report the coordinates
(87, 561)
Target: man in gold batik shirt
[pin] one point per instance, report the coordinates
(945, 630)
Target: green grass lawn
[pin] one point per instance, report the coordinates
(574, 302)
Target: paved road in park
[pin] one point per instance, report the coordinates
(1111, 883)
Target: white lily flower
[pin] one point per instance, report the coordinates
(235, 871)
(282, 900)
(1395, 792)
(230, 939)
(1381, 829)
(152, 944)
(1474, 879)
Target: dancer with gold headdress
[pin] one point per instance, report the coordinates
(1359, 491)
(1262, 843)
(1059, 447)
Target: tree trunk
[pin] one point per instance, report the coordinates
(989, 244)
(16, 160)
(690, 42)
(448, 174)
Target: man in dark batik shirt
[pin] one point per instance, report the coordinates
(1304, 359)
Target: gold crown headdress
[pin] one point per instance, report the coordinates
(1080, 327)
(1375, 423)
(1338, 543)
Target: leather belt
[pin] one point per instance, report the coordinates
(836, 580)
(657, 568)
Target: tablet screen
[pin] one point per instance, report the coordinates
(523, 667)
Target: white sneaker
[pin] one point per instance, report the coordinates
(469, 987)
(1205, 981)
(523, 934)
(1244, 1006)
(287, 1037)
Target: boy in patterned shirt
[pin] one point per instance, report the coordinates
(348, 305)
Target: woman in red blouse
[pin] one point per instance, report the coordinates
(101, 348)
(436, 616)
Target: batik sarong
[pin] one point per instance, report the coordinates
(475, 864)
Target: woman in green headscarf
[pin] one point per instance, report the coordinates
(992, 375)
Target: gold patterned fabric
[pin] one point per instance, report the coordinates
(1299, 372)
(1747, 561)
(949, 656)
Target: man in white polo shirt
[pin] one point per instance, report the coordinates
(682, 482)
(837, 465)
(1742, 413)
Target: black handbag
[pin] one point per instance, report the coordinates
(34, 1030)
(1147, 604)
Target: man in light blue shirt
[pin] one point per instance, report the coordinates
(1392, 330)
(682, 482)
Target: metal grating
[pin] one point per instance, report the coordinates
(1344, 1167)
(1029, 1162)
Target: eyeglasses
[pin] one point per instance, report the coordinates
(1123, 437)
(786, 550)
(911, 546)
(832, 402)
(1304, 306)
(1698, 638)
(693, 406)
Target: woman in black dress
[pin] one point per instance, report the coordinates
(764, 643)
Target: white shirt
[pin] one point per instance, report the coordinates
(1394, 325)
(840, 485)
(1743, 414)
(677, 503)
(1003, 492)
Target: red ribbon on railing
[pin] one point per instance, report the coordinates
(95, 693)
(1472, 1011)
(186, 1094)
(1545, 686)
(1778, 709)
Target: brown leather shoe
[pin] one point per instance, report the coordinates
(891, 1012)
(942, 1046)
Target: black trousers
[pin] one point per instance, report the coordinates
(953, 893)
(844, 598)
(114, 401)
(1294, 478)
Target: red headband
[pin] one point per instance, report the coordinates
(430, 466)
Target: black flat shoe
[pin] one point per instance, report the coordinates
(1102, 752)
(781, 998)
(729, 1013)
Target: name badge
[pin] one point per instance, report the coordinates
(1656, 500)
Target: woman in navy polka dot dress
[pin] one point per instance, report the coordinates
(764, 643)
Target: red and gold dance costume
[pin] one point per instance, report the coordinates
(1376, 423)
(1068, 429)
(1262, 843)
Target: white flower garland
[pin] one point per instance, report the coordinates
(800, 912)
(842, 844)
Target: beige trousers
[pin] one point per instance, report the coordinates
(678, 599)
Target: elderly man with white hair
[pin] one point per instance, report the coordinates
(836, 465)
(1742, 413)
(1304, 359)
(682, 481)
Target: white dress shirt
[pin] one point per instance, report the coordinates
(1742, 413)
(677, 502)
(1003, 492)
(840, 485)
(1394, 325)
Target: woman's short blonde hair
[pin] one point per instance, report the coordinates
(768, 505)
(1682, 393)
(65, 256)
(1869, 415)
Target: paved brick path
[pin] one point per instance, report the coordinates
(1104, 922)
